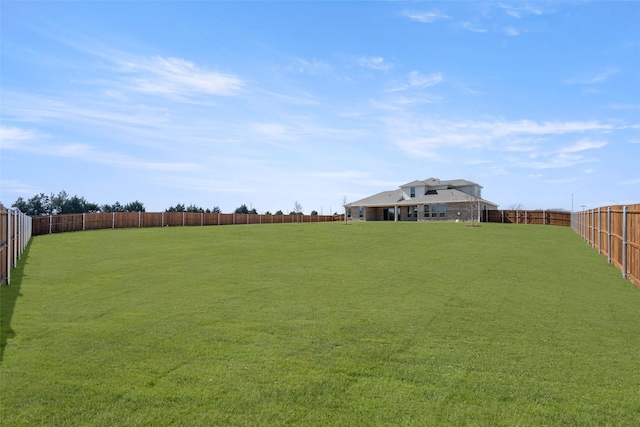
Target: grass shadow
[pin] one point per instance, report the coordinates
(8, 298)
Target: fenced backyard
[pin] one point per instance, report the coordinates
(613, 230)
(319, 324)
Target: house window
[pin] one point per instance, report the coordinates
(413, 192)
(426, 211)
(434, 210)
(361, 212)
(349, 212)
(442, 211)
(410, 211)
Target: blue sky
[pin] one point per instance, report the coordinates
(269, 103)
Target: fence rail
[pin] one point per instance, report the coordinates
(95, 221)
(542, 217)
(15, 233)
(615, 232)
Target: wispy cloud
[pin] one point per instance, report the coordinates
(13, 137)
(426, 17)
(517, 10)
(308, 66)
(82, 152)
(523, 142)
(374, 63)
(511, 31)
(592, 78)
(473, 27)
(417, 80)
(582, 145)
(176, 76)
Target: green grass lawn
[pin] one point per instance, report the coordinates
(319, 324)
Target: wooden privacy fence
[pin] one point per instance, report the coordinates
(615, 232)
(95, 221)
(15, 233)
(543, 217)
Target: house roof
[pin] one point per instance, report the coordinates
(394, 198)
(435, 182)
(440, 192)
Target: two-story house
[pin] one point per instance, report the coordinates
(428, 200)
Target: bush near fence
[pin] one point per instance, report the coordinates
(95, 221)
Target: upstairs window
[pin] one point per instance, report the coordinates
(412, 192)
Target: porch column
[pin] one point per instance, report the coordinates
(395, 213)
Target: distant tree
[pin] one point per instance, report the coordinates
(253, 211)
(194, 208)
(177, 208)
(516, 207)
(63, 204)
(314, 212)
(297, 208)
(116, 207)
(473, 201)
(267, 213)
(134, 207)
(38, 205)
(216, 210)
(242, 209)
(279, 212)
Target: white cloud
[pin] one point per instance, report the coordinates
(582, 145)
(375, 63)
(521, 9)
(13, 137)
(521, 143)
(470, 26)
(426, 17)
(592, 78)
(511, 31)
(419, 80)
(177, 76)
(313, 66)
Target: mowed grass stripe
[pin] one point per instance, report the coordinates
(319, 324)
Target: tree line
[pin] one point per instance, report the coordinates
(42, 204)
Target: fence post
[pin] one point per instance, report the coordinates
(113, 220)
(201, 219)
(609, 234)
(502, 211)
(139, 219)
(162, 219)
(14, 224)
(599, 228)
(8, 247)
(624, 242)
